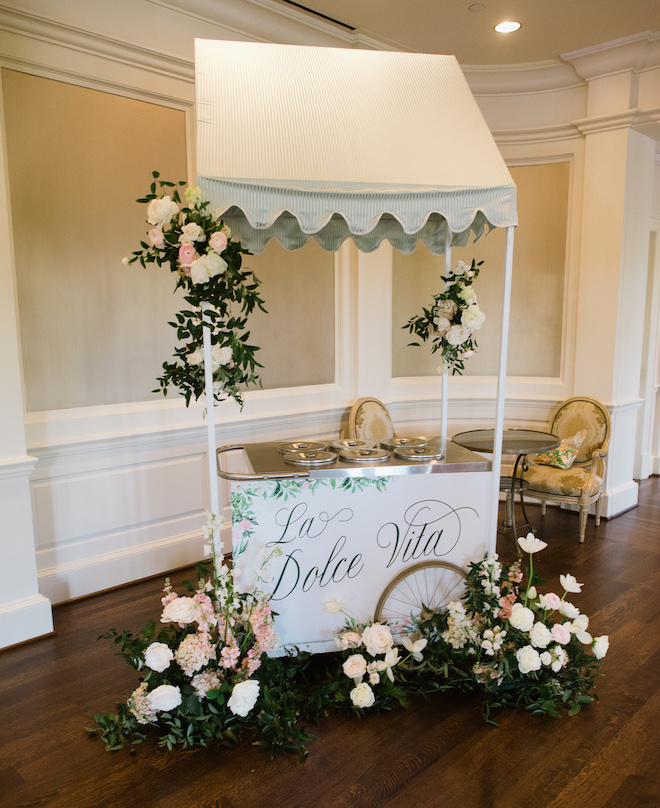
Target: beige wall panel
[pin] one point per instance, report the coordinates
(538, 284)
(297, 336)
(92, 331)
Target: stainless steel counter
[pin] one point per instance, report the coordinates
(267, 463)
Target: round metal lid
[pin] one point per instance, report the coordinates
(364, 455)
(302, 446)
(313, 457)
(421, 453)
(393, 443)
(351, 443)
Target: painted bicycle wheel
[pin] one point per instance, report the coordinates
(419, 591)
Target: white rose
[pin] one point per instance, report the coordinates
(377, 639)
(530, 544)
(457, 335)
(540, 635)
(214, 263)
(445, 308)
(570, 584)
(600, 646)
(521, 617)
(161, 211)
(191, 232)
(473, 318)
(181, 610)
(158, 656)
(220, 356)
(468, 295)
(355, 666)
(196, 357)
(243, 697)
(568, 610)
(461, 268)
(561, 658)
(442, 325)
(165, 697)
(156, 237)
(528, 659)
(362, 695)
(546, 658)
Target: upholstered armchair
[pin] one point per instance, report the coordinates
(582, 483)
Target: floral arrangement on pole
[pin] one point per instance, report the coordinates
(519, 646)
(220, 293)
(452, 319)
(198, 671)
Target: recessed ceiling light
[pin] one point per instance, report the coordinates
(507, 27)
(475, 8)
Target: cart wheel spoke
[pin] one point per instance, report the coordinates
(427, 586)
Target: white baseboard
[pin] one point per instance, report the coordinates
(96, 573)
(618, 500)
(25, 619)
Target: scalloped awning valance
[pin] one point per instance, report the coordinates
(297, 141)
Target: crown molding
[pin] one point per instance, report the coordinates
(635, 53)
(538, 77)
(55, 33)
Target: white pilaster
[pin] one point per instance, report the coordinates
(24, 613)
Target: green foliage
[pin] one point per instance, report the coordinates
(231, 296)
(469, 645)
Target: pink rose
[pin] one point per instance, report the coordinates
(245, 524)
(561, 633)
(549, 601)
(218, 241)
(186, 255)
(156, 237)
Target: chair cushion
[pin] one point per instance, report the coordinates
(573, 482)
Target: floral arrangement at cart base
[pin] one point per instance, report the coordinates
(220, 293)
(209, 675)
(452, 319)
(520, 646)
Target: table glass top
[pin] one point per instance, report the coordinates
(514, 441)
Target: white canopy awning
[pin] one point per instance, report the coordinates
(297, 141)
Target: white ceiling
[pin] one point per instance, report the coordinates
(549, 27)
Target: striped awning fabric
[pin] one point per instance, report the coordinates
(297, 141)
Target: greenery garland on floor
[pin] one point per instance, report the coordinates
(206, 677)
(197, 247)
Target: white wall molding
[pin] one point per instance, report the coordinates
(607, 123)
(17, 466)
(540, 134)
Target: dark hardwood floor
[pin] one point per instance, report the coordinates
(438, 753)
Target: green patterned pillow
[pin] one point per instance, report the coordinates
(564, 455)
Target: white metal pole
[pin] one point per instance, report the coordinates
(445, 372)
(210, 417)
(501, 385)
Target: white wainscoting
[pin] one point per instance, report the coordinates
(122, 507)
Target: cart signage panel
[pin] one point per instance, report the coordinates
(349, 538)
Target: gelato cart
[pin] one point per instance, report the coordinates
(386, 529)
